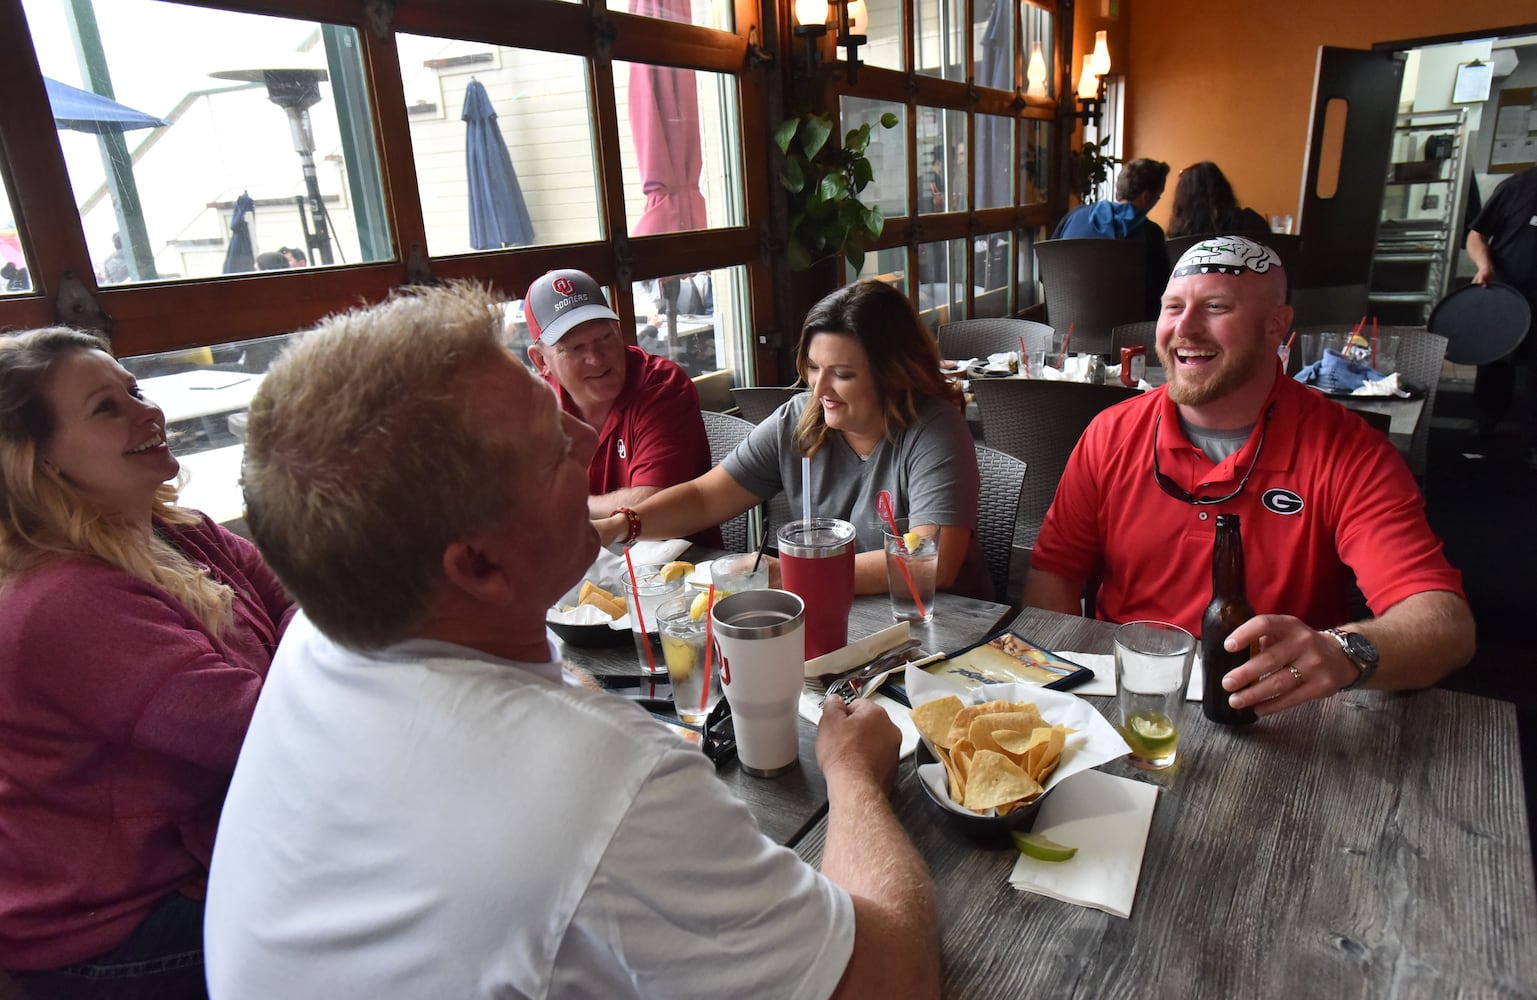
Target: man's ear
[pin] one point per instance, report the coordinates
(536, 358)
(473, 567)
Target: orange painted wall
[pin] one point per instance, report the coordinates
(1233, 83)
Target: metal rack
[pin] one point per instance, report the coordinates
(1421, 221)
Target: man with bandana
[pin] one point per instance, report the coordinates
(1324, 501)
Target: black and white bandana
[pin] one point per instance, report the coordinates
(1226, 255)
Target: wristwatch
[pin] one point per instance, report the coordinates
(1359, 650)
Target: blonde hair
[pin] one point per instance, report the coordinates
(363, 461)
(903, 356)
(45, 516)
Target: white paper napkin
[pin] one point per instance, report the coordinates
(1107, 819)
(1103, 665)
(1385, 386)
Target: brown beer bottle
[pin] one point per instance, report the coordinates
(1229, 608)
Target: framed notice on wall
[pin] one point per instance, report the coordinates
(1515, 131)
(1473, 80)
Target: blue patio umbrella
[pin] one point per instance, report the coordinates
(240, 256)
(498, 213)
(84, 111)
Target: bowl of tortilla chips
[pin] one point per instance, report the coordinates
(591, 616)
(997, 758)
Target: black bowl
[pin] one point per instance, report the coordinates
(590, 636)
(975, 825)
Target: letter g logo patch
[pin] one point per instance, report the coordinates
(1282, 502)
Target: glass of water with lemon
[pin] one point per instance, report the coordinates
(684, 635)
(1152, 671)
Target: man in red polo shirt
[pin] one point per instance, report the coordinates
(1323, 499)
(644, 408)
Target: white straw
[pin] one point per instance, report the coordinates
(806, 487)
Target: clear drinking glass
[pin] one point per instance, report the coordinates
(645, 594)
(1152, 672)
(912, 559)
(684, 650)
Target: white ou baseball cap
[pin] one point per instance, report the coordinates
(560, 301)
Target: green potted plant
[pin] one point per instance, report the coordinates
(824, 180)
(1092, 166)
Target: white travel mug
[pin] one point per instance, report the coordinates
(762, 640)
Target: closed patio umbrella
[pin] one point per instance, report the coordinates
(498, 214)
(664, 122)
(241, 255)
(84, 111)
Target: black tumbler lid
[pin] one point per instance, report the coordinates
(1481, 323)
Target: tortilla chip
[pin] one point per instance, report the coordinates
(933, 719)
(1012, 742)
(994, 780)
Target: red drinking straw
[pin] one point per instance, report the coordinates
(1062, 361)
(1024, 357)
(883, 507)
(709, 645)
(1287, 350)
(635, 593)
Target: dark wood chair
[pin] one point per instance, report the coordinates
(1040, 422)
(1093, 286)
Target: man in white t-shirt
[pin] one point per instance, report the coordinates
(424, 806)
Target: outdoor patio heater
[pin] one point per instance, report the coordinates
(296, 91)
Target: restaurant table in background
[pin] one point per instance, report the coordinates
(787, 805)
(201, 392)
(1367, 845)
(213, 482)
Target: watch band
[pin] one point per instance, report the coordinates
(1364, 668)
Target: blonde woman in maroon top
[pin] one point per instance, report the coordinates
(134, 638)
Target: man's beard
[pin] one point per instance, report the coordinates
(1233, 370)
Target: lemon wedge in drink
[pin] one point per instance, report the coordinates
(912, 540)
(679, 656)
(701, 605)
(676, 570)
(1033, 845)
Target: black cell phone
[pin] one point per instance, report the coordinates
(654, 693)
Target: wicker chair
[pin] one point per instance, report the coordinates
(1420, 354)
(1003, 485)
(1040, 422)
(757, 402)
(1094, 286)
(977, 338)
(1132, 334)
(725, 433)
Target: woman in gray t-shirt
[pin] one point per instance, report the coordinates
(878, 415)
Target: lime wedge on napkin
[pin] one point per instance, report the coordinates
(1033, 845)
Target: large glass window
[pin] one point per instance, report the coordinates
(940, 38)
(942, 182)
(884, 34)
(203, 142)
(887, 153)
(15, 276)
(678, 148)
(694, 319)
(503, 144)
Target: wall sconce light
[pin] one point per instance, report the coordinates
(811, 18)
(1091, 82)
(1035, 73)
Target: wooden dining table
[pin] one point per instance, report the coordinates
(1368, 844)
(788, 805)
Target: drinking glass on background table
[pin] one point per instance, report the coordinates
(1312, 348)
(1032, 362)
(761, 635)
(1387, 353)
(684, 652)
(647, 593)
(1152, 671)
(816, 563)
(912, 559)
(734, 574)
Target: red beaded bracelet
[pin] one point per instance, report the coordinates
(634, 519)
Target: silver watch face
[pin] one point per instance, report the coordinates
(1361, 649)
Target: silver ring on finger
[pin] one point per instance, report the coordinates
(1295, 673)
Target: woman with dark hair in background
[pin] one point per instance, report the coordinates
(134, 638)
(879, 415)
(1204, 203)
